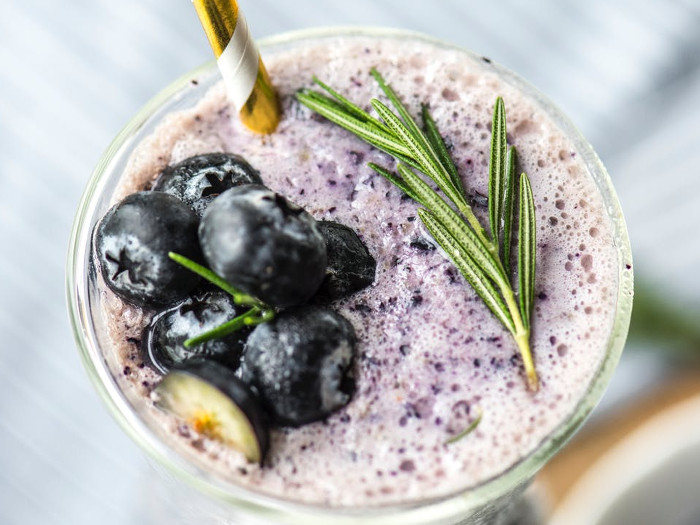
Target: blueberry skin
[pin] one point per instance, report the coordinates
(164, 337)
(264, 245)
(132, 242)
(300, 363)
(198, 180)
(350, 266)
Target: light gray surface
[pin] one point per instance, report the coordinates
(73, 72)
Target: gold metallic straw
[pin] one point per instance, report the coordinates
(246, 80)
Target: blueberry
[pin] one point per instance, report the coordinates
(350, 266)
(264, 245)
(132, 242)
(163, 339)
(216, 404)
(199, 179)
(301, 364)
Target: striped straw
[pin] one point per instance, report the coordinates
(246, 79)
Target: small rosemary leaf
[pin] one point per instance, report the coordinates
(320, 98)
(497, 168)
(464, 433)
(406, 160)
(526, 250)
(429, 165)
(239, 297)
(334, 111)
(409, 121)
(408, 138)
(468, 268)
(508, 208)
(348, 105)
(435, 139)
(267, 314)
(458, 229)
(305, 96)
(368, 132)
(396, 180)
(224, 329)
(313, 97)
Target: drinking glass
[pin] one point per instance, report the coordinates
(198, 495)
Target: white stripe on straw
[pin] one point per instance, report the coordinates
(239, 63)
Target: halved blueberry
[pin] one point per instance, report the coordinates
(264, 245)
(198, 180)
(132, 242)
(301, 364)
(164, 337)
(216, 404)
(350, 266)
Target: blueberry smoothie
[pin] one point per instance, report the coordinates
(430, 358)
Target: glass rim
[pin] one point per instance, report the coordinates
(462, 500)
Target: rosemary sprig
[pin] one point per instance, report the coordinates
(482, 258)
(257, 314)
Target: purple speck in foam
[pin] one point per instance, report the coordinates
(407, 465)
(416, 298)
(356, 157)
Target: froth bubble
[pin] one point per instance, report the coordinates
(587, 262)
(450, 95)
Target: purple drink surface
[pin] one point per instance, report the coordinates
(431, 355)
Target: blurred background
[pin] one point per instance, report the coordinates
(72, 73)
